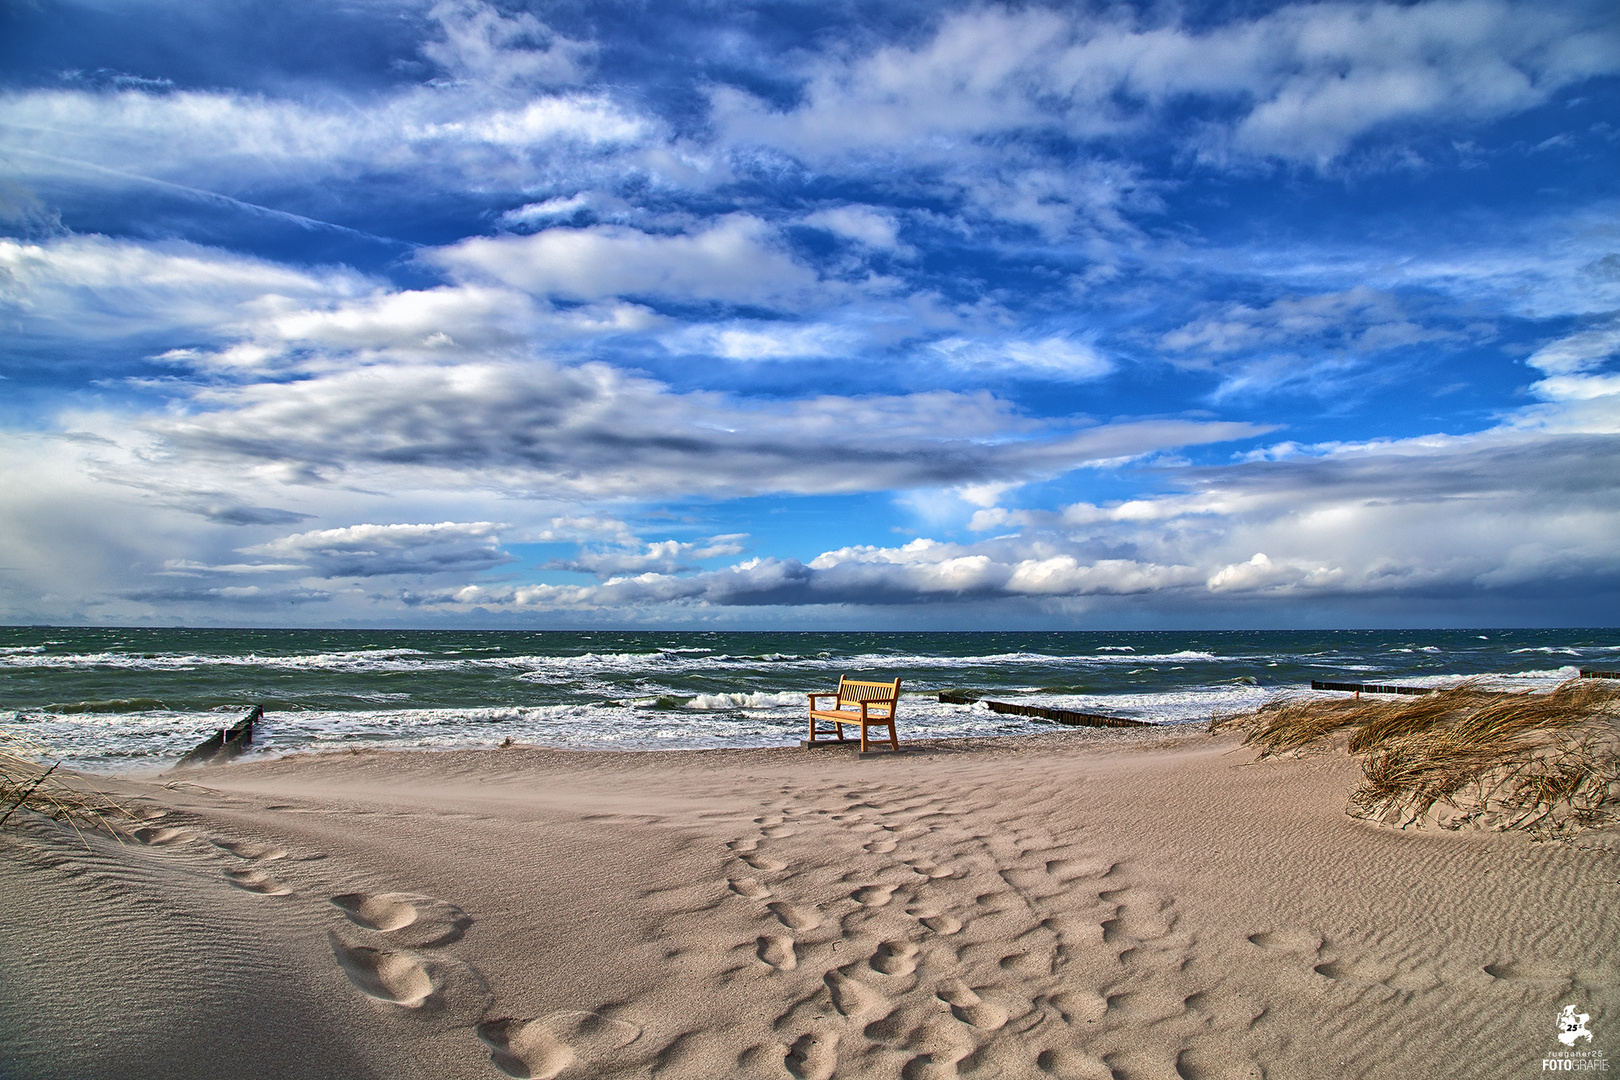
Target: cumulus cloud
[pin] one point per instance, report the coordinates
(378, 550)
(660, 557)
(1435, 518)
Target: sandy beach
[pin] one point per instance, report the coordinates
(1084, 904)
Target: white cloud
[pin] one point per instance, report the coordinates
(1578, 352)
(736, 259)
(493, 124)
(864, 224)
(485, 47)
(660, 557)
(1300, 83)
(1052, 358)
(755, 340)
(90, 287)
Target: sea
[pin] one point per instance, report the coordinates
(134, 700)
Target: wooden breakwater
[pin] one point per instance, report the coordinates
(226, 743)
(1040, 712)
(1371, 688)
(1588, 673)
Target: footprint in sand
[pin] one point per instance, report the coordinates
(937, 921)
(1141, 915)
(928, 869)
(765, 863)
(777, 951)
(162, 836)
(813, 1056)
(256, 881)
(544, 1048)
(881, 846)
(853, 998)
(388, 976)
(418, 922)
(873, 895)
(969, 1007)
(748, 887)
(1072, 1065)
(794, 917)
(525, 1049)
(591, 1035)
(247, 849)
(376, 912)
(1287, 941)
(1078, 1006)
(743, 845)
(894, 958)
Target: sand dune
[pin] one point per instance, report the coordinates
(1091, 904)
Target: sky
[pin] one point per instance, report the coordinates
(809, 315)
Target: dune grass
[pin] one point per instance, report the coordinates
(29, 787)
(1547, 762)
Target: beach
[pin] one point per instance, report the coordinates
(1152, 903)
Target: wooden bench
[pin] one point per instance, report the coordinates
(856, 701)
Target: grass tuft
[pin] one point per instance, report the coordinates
(1547, 762)
(28, 786)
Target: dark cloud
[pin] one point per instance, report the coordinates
(593, 431)
(380, 550)
(253, 515)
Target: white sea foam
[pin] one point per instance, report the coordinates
(746, 701)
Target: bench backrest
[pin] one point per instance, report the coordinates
(864, 690)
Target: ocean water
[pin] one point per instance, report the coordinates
(136, 699)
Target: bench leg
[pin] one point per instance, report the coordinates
(837, 731)
(893, 740)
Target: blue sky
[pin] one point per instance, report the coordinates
(810, 314)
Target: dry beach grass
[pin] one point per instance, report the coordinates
(28, 786)
(1547, 762)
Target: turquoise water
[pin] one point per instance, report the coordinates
(137, 698)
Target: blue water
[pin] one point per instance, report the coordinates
(122, 699)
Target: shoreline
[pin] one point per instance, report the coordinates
(1088, 903)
